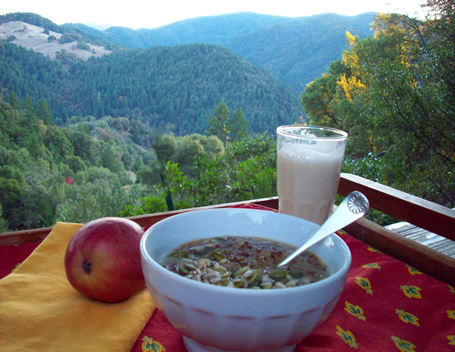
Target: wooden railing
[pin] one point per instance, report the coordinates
(405, 207)
(400, 205)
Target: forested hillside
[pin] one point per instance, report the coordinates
(298, 51)
(294, 50)
(181, 85)
(167, 88)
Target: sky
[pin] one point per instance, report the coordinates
(156, 13)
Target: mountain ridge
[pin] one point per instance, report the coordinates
(295, 50)
(285, 46)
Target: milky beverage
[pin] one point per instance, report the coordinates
(308, 180)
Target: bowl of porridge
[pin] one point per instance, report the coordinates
(214, 274)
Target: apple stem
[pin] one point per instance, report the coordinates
(87, 266)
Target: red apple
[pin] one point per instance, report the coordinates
(103, 259)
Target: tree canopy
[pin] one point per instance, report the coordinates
(394, 94)
(168, 88)
(91, 168)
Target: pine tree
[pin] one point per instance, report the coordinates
(13, 101)
(219, 122)
(43, 113)
(238, 126)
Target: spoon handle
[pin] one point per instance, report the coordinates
(353, 207)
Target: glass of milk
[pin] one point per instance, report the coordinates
(309, 166)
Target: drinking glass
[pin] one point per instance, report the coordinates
(309, 160)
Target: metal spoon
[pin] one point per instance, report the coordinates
(353, 207)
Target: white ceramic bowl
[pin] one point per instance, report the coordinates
(213, 318)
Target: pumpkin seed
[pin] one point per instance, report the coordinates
(183, 270)
(183, 254)
(248, 273)
(267, 285)
(278, 274)
(174, 255)
(296, 274)
(218, 255)
(238, 282)
(253, 277)
(219, 268)
(240, 271)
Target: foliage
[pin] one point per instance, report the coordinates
(91, 168)
(51, 173)
(226, 126)
(179, 85)
(394, 94)
(81, 44)
(148, 205)
(164, 146)
(65, 57)
(86, 201)
(68, 38)
(219, 122)
(245, 171)
(3, 222)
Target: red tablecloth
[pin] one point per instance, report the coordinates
(386, 306)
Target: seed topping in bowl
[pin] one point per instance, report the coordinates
(244, 262)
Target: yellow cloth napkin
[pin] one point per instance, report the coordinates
(41, 311)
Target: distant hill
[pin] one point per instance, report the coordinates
(207, 29)
(79, 32)
(295, 50)
(300, 50)
(46, 42)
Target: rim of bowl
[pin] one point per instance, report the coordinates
(185, 281)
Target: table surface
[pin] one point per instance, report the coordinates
(385, 306)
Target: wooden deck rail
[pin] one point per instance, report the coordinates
(403, 206)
